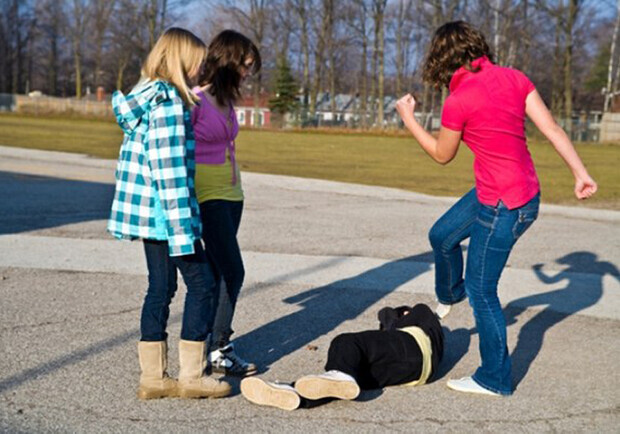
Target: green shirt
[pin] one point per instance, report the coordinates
(214, 181)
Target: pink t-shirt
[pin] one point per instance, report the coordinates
(488, 106)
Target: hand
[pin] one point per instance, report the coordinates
(585, 186)
(406, 106)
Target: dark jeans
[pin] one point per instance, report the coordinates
(199, 301)
(493, 231)
(379, 358)
(220, 222)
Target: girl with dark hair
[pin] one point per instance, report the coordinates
(231, 59)
(486, 108)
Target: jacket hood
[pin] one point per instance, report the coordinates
(129, 109)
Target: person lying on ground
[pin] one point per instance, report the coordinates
(406, 350)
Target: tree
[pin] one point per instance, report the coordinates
(79, 20)
(102, 9)
(253, 16)
(301, 12)
(609, 88)
(285, 87)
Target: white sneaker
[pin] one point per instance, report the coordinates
(331, 384)
(277, 395)
(442, 310)
(467, 384)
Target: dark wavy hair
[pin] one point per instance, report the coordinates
(454, 44)
(227, 54)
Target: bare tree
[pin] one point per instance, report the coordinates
(102, 9)
(79, 19)
(252, 15)
(403, 35)
(322, 33)
(155, 13)
(357, 21)
(609, 89)
(300, 7)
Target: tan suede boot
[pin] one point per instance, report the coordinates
(193, 383)
(154, 381)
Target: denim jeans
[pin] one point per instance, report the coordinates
(220, 221)
(199, 301)
(493, 231)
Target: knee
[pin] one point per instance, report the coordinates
(436, 237)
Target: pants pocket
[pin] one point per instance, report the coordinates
(524, 221)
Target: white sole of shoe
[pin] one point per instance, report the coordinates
(315, 387)
(260, 392)
(479, 390)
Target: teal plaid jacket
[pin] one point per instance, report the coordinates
(155, 197)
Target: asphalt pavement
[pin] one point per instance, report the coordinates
(321, 259)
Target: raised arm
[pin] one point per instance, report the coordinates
(444, 148)
(538, 112)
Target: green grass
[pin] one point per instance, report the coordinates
(391, 160)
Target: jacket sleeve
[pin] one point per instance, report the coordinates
(166, 154)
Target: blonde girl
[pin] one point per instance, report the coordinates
(155, 202)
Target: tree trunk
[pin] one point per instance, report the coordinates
(568, 65)
(319, 58)
(399, 47)
(609, 89)
(380, 60)
(331, 54)
(496, 35)
(556, 98)
(305, 49)
(527, 41)
(78, 71)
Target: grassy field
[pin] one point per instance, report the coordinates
(391, 161)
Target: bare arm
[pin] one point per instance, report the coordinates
(538, 112)
(444, 148)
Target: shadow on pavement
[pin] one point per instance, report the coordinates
(324, 308)
(37, 202)
(456, 344)
(581, 292)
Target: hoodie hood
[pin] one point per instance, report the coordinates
(129, 109)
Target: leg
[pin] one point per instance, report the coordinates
(197, 320)
(162, 287)
(200, 298)
(376, 358)
(221, 221)
(152, 348)
(493, 236)
(445, 237)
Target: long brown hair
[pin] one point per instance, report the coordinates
(176, 54)
(454, 45)
(228, 52)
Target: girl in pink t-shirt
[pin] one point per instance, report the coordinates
(486, 109)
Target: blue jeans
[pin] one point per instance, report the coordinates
(220, 222)
(493, 231)
(199, 301)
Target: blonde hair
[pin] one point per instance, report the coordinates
(176, 54)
